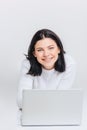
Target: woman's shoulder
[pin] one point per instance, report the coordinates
(69, 59)
(26, 63)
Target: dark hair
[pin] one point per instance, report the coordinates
(36, 68)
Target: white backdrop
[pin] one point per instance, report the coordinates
(20, 19)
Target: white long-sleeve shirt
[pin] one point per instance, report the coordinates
(49, 79)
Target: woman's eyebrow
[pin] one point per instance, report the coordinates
(47, 46)
(51, 45)
(39, 48)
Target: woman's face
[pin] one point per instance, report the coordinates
(46, 52)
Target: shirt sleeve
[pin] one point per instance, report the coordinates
(68, 77)
(25, 82)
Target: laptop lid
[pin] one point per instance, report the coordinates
(52, 107)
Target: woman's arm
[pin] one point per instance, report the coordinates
(25, 82)
(68, 77)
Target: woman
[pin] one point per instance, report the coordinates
(46, 66)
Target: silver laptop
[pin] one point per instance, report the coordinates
(52, 107)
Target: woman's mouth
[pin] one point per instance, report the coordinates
(47, 59)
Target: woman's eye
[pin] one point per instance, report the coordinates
(51, 48)
(39, 50)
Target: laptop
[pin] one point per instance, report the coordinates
(51, 107)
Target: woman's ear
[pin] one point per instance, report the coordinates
(34, 54)
(58, 50)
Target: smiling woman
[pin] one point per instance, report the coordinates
(46, 54)
(46, 66)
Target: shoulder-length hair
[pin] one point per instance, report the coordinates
(35, 67)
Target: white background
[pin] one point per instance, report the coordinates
(19, 20)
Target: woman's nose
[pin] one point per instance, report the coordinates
(46, 53)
